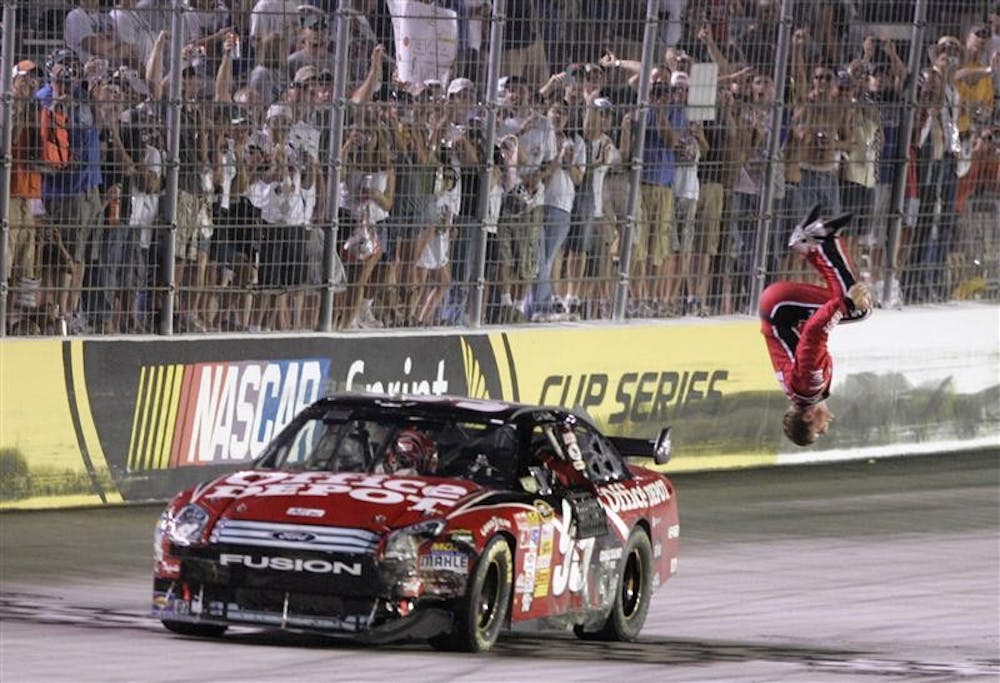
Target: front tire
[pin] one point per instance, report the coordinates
(482, 611)
(185, 628)
(632, 595)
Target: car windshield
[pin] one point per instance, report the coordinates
(484, 451)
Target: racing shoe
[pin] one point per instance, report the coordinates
(860, 297)
(801, 240)
(812, 228)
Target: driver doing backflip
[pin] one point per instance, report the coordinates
(796, 319)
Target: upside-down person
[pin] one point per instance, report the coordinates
(796, 320)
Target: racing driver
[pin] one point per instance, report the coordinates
(796, 319)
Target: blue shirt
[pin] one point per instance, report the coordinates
(659, 163)
(84, 172)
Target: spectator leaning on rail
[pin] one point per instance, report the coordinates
(797, 318)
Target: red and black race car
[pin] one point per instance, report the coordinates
(441, 518)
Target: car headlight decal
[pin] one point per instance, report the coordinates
(188, 525)
(402, 545)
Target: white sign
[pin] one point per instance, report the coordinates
(703, 84)
(426, 41)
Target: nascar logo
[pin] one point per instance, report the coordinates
(214, 413)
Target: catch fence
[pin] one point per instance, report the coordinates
(171, 167)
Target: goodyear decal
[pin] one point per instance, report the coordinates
(215, 413)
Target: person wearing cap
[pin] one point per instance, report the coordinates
(25, 206)
(520, 228)
(561, 180)
(584, 252)
(70, 191)
(464, 133)
(286, 214)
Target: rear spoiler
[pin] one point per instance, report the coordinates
(658, 449)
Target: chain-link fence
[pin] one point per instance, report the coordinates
(178, 167)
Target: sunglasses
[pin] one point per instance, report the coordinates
(823, 77)
(983, 33)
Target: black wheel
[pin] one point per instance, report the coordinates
(632, 596)
(482, 611)
(185, 628)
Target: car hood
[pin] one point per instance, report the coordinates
(377, 502)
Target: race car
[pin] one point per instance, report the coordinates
(445, 519)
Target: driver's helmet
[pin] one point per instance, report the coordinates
(412, 452)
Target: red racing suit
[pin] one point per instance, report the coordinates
(796, 320)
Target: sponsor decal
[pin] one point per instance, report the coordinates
(217, 413)
(305, 512)
(445, 557)
(462, 537)
(657, 550)
(543, 577)
(369, 488)
(289, 564)
(641, 396)
(673, 531)
(294, 536)
(357, 380)
(609, 555)
(544, 510)
(619, 497)
(494, 524)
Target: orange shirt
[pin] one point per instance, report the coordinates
(25, 182)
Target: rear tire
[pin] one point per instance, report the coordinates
(482, 611)
(197, 630)
(632, 595)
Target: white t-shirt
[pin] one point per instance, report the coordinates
(352, 196)
(603, 155)
(536, 139)
(560, 190)
(272, 16)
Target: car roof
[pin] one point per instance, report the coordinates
(445, 407)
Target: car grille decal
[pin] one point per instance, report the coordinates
(272, 535)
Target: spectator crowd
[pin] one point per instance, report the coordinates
(104, 230)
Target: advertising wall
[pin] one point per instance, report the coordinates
(109, 420)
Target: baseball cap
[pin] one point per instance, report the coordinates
(276, 110)
(25, 66)
(306, 73)
(457, 85)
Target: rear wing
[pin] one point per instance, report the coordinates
(658, 449)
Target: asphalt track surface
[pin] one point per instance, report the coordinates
(884, 570)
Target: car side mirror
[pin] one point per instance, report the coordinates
(663, 447)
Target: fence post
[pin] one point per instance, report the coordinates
(169, 261)
(765, 212)
(649, 38)
(6, 97)
(903, 149)
(331, 223)
(497, 25)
